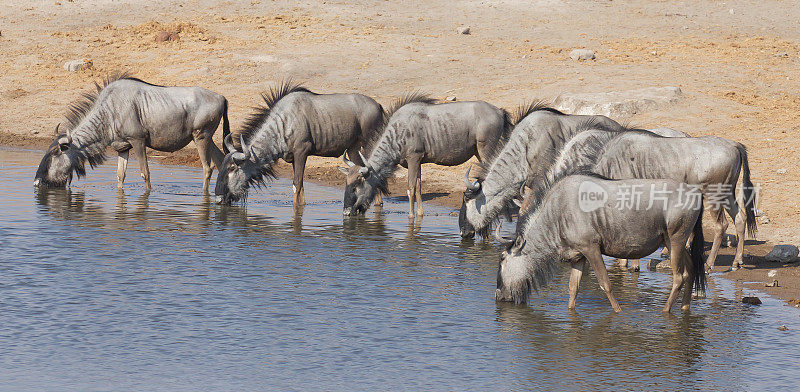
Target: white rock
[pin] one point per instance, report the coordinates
(782, 254)
(772, 273)
(781, 171)
(78, 65)
(451, 98)
(464, 30)
(581, 54)
(764, 220)
(619, 103)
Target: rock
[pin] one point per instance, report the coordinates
(764, 220)
(454, 213)
(730, 11)
(464, 30)
(772, 273)
(783, 328)
(773, 284)
(451, 98)
(782, 254)
(751, 300)
(781, 171)
(581, 54)
(652, 264)
(618, 103)
(782, 54)
(165, 35)
(664, 265)
(78, 65)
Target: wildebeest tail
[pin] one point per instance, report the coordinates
(696, 249)
(226, 127)
(747, 191)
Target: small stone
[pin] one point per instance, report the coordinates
(781, 171)
(654, 53)
(164, 36)
(652, 264)
(772, 273)
(783, 328)
(764, 220)
(454, 213)
(730, 11)
(751, 300)
(773, 284)
(464, 30)
(782, 54)
(78, 65)
(451, 98)
(582, 54)
(782, 254)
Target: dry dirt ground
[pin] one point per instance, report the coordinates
(736, 62)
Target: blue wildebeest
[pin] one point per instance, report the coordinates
(293, 124)
(712, 164)
(131, 115)
(419, 132)
(566, 227)
(533, 145)
(529, 152)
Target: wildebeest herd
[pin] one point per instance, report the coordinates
(581, 186)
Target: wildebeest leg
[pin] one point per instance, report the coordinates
(720, 225)
(203, 145)
(688, 279)
(414, 162)
(595, 259)
(140, 152)
(634, 265)
(419, 191)
(575, 281)
(678, 259)
(736, 211)
(299, 168)
(122, 166)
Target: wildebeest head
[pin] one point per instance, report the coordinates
(58, 163)
(239, 169)
(471, 192)
(361, 187)
(513, 281)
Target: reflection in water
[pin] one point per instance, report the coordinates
(97, 285)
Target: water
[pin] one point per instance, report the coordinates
(167, 291)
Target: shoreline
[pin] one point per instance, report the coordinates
(324, 171)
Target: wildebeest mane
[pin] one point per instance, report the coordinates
(511, 121)
(405, 99)
(271, 97)
(81, 107)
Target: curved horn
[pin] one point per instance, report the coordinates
(56, 131)
(503, 240)
(347, 161)
(245, 149)
(474, 186)
(229, 143)
(363, 159)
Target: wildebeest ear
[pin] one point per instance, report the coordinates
(343, 170)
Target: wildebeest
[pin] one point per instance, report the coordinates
(566, 226)
(129, 114)
(293, 124)
(711, 164)
(531, 148)
(419, 132)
